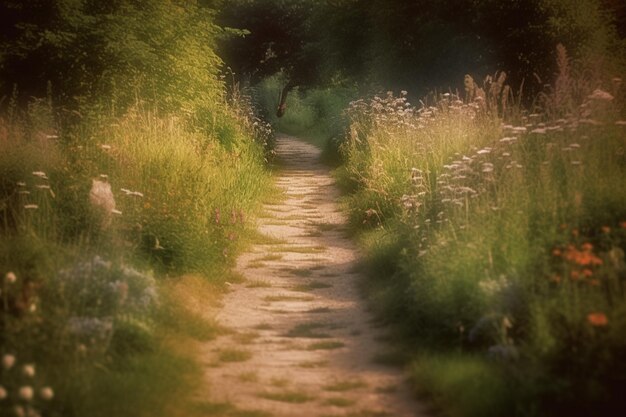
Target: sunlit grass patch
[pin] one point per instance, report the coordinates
(251, 376)
(329, 345)
(258, 238)
(301, 272)
(339, 402)
(311, 286)
(345, 385)
(294, 397)
(313, 364)
(308, 330)
(270, 257)
(233, 355)
(279, 382)
(319, 310)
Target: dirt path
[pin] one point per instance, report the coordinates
(302, 342)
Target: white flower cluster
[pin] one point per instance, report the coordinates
(20, 393)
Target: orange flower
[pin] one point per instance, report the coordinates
(622, 225)
(556, 252)
(606, 229)
(597, 319)
(575, 232)
(587, 272)
(594, 282)
(575, 275)
(587, 247)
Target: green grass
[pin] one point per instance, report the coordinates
(320, 310)
(234, 355)
(258, 284)
(308, 330)
(487, 238)
(462, 384)
(292, 397)
(301, 272)
(339, 402)
(311, 286)
(345, 385)
(329, 345)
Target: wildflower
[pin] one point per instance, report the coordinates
(622, 225)
(26, 393)
(18, 410)
(606, 229)
(587, 272)
(597, 319)
(46, 393)
(594, 282)
(3, 393)
(21, 184)
(40, 174)
(105, 147)
(102, 199)
(31, 206)
(10, 278)
(575, 275)
(556, 252)
(28, 370)
(8, 361)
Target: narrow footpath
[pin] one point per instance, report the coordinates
(301, 342)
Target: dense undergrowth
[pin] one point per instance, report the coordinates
(496, 237)
(94, 219)
(125, 194)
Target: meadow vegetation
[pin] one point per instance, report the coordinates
(121, 183)
(497, 236)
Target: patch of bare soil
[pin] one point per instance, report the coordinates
(302, 342)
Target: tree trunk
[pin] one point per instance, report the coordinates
(282, 105)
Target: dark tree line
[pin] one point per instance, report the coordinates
(415, 44)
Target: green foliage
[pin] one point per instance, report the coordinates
(91, 52)
(503, 240)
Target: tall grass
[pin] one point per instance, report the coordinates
(93, 216)
(500, 234)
